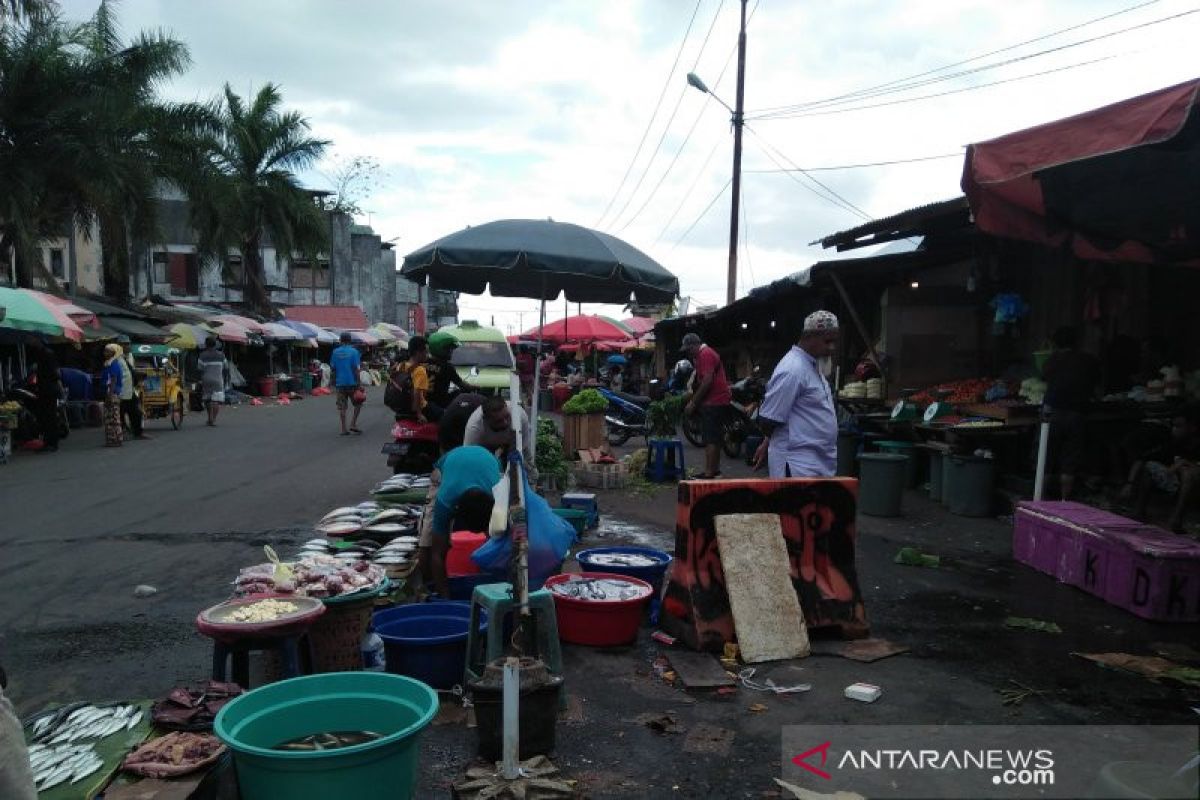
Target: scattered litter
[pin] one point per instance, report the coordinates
(1176, 652)
(863, 692)
(1032, 624)
(538, 778)
(869, 650)
(746, 676)
(806, 794)
(726, 690)
(731, 651)
(705, 738)
(912, 557)
(660, 723)
(663, 638)
(1018, 695)
(757, 708)
(669, 676)
(1151, 667)
(144, 590)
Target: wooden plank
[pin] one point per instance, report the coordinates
(766, 611)
(698, 671)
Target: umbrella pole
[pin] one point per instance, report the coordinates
(537, 373)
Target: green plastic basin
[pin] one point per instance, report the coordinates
(395, 706)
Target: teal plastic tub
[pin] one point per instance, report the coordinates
(395, 706)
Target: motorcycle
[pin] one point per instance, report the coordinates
(739, 421)
(625, 416)
(414, 449)
(28, 422)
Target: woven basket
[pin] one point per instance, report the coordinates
(337, 636)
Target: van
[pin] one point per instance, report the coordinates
(483, 357)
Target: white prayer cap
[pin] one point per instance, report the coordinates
(820, 321)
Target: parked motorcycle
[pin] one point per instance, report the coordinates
(739, 420)
(414, 448)
(625, 416)
(28, 423)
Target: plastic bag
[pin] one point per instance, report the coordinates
(498, 524)
(550, 537)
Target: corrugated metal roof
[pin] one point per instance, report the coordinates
(341, 317)
(898, 226)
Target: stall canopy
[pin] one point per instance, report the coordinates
(579, 328)
(310, 331)
(1118, 183)
(541, 259)
(135, 329)
(34, 312)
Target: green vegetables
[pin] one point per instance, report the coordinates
(664, 415)
(589, 401)
(550, 460)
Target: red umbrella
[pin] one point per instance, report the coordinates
(580, 328)
(639, 325)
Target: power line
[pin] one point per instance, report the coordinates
(650, 123)
(835, 107)
(840, 200)
(948, 92)
(658, 146)
(702, 214)
(858, 166)
(688, 194)
(1043, 37)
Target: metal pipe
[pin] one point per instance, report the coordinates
(511, 767)
(1039, 480)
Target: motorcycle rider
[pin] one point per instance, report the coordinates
(442, 374)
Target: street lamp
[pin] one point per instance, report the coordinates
(738, 123)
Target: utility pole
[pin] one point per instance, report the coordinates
(738, 108)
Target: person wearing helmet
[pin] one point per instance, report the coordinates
(442, 374)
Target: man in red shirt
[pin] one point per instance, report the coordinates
(711, 399)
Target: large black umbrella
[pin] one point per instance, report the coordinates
(539, 259)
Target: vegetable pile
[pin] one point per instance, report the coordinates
(589, 401)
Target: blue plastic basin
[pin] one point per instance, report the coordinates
(426, 641)
(651, 574)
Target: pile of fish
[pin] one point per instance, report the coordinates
(54, 755)
(403, 482)
(82, 721)
(600, 590)
(621, 560)
(55, 764)
(369, 519)
(396, 553)
(327, 741)
(313, 575)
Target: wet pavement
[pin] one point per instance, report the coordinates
(184, 511)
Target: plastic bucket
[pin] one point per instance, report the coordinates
(847, 454)
(462, 544)
(266, 387)
(936, 470)
(397, 707)
(651, 574)
(577, 517)
(598, 623)
(426, 641)
(903, 449)
(881, 483)
(969, 485)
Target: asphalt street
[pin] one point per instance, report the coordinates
(80, 529)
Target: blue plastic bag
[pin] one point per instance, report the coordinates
(550, 538)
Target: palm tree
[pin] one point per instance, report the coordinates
(250, 189)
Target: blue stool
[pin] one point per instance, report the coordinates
(499, 605)
(583, 501)
(664, 461)
(237, 654)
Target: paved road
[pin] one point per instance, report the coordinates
(81, 528)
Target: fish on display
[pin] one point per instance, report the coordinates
(83, 721)
(332, 740)
(622, 559)
(52, 765)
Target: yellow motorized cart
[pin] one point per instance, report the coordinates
(160, 368)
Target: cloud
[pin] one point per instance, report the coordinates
(480, 110)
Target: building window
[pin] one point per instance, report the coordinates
(235, 271)
(179, 270)
(160, 267)
(302, 275)
(57, 267)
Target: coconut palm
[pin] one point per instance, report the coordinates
(249, 189)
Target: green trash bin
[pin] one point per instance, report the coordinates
(968, 485)
(881, 479)
(936, 470)
(847, 454)
(902, 449)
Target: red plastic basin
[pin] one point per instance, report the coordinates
(599, 623)
(462, 545)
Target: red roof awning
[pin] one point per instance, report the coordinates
(340, 317)
(1116, 183)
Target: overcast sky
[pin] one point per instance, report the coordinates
(488, 109)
